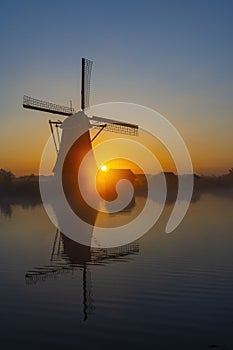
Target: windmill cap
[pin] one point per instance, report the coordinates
(77, 120)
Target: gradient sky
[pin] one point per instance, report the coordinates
(173, 56)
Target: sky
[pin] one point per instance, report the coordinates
(175, 57)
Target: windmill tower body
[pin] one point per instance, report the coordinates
(73, 149)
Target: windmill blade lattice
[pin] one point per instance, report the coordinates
(86, 82)
(44, 106)
(114, 126)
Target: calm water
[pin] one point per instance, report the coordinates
(162, 292)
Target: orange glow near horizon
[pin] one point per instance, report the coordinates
(21, 151)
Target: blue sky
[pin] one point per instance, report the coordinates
(173, 56)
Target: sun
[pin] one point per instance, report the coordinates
(104, 168)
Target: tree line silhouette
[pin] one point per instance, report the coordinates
(25, 191)
(10, 185)
(28, 186)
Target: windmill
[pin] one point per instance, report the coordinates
(71, 147)
(96, 122)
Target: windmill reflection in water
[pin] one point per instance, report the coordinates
(68, 256)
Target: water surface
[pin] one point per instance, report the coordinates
(163, 292)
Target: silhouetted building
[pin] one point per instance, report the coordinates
(107, 182)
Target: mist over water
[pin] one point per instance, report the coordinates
(163, 291)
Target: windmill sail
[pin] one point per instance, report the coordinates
(114, 126)
(86, 82)
(44, 106)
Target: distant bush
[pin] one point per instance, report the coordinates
(6, 178)
(18, 186)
